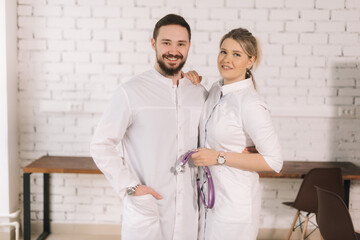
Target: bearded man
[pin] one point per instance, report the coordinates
(154, 118)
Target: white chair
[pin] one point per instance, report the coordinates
(15, 224)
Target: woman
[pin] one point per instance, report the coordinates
(235, 117)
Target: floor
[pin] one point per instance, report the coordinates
(79, 237)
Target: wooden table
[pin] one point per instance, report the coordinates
(55, 164)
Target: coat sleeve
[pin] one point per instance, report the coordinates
(108, 134)
(258, 125)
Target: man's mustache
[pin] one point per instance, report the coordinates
(172, 56)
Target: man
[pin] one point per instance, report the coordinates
(155, 117)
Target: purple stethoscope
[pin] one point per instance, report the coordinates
(210, 186)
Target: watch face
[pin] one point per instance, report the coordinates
(130, 191)
(221, 159)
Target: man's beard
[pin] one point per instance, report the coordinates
(170, 71)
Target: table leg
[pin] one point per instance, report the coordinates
(347, 192)
(26, 195)
(46, 216)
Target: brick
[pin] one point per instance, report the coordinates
(106, 35)
(349, 92)
(195, 13)
(136, 12)
(32, 44)
(300, 26)
(120, 46)
(145, 24)
(63, 22)
(61, 2)
(311, 61)
(134, 58)
(90, 23)
(31, 22)
(209, 3)
(118, 69)
(76, 57)
(269, 4)
(76, 34)
(300, 50)
(295, 72)
(266, 26)
(353, 27)
(345, 15)
(343, 38)
(339, 100)
(284, 38)
(24, 10)
(351, 51)
(314, 38)
(104, 57)
(108, 11)
(236, 3)
(91, 2)
(33, 2)
(330, 4)
(61, 45)
(315, 14)
(48, 56)
(330, 27)
(340, 83)
(92, 46)
(25, 33)
(136, 35)
(58, 68)
(284, 15)
(223, 13)
(158, 13)
(146, 3)
(76, 11)
(299, 4)
(88, 68)
(47, 33)
(327, 50)
(123, 23)
(254, 14)
(47, 11)
(207, 25)
(322, 91)
(183, 3)
(280, 61)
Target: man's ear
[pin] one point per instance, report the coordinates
(153, 43)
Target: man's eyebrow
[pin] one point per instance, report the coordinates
(169, 40)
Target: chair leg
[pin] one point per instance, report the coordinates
(293, 225)
(305, 227)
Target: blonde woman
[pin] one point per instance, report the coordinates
(235, 117)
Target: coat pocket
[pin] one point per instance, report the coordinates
(233, 198)
(140, 218)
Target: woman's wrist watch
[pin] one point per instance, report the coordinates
(131, 190)
(221, 158)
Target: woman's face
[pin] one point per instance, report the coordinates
(232, 61)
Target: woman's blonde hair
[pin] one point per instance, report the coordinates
(249, 44)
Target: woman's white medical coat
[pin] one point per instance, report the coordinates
(230, 123)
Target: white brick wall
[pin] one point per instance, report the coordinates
(78, 51)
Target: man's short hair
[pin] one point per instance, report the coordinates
(171, 19)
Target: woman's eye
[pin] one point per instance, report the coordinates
(222, 52)
(237, 55)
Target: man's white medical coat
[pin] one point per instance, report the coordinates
(156, 124)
